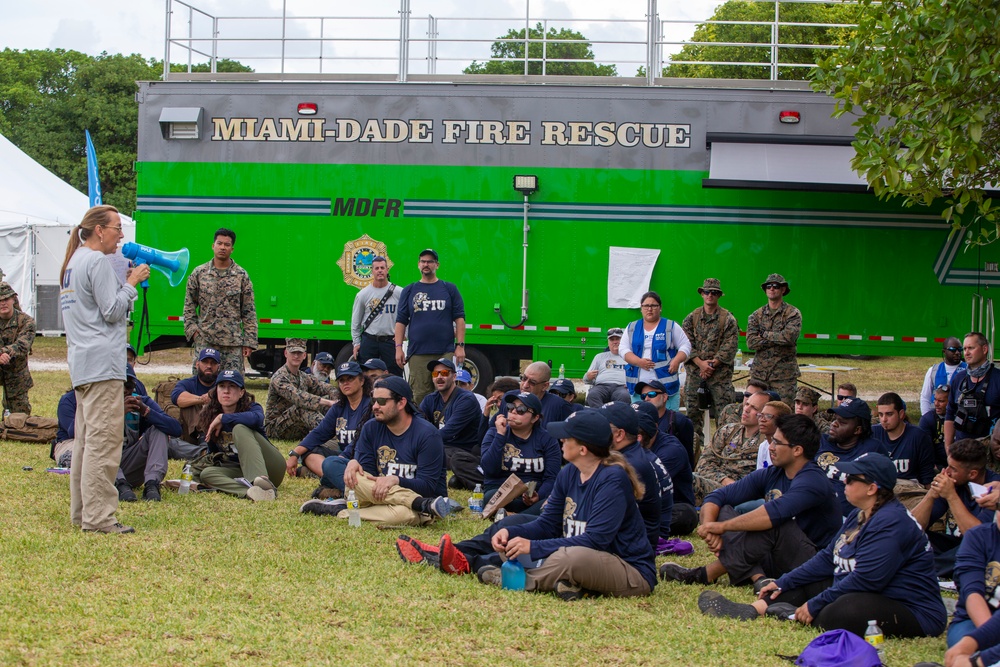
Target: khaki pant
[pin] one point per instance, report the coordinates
(97, 452)
(420, 377)
(909, 492)
(591, 569)
(393, 509)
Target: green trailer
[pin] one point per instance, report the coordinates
(660, 186)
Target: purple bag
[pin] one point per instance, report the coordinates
(838, 648)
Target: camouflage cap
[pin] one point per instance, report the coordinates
(710, 284)
(6, 291)
(807, 395)
(776, 278)
(295, 344)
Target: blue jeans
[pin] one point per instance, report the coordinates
(959, 629)
(333, 472)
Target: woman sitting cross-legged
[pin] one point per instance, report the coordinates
(880, 567)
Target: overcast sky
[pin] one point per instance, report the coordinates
(137, 26)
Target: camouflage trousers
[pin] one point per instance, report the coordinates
(15, 390)
(232, 357)
(292, 424)
(722, 395)
(702, 487)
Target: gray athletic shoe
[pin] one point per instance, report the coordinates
(489, 574)
(713, 603)
(262, 490)
(113, 529)
(331, 507)
(443, 506)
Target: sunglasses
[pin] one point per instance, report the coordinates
(382, 401)
(561, 394)
(519, 409)
(650, 394)
(943, 387)
(748, 394)
(440, 374)
(858, 478)
(533, 383)
(953, 349)
(712, 292)
(842, 397)
(773, 286)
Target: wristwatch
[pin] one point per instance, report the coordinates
(976, 659)
(295, 454)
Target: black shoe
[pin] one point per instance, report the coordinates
(685, 575)
(781, 610)
(125, 492)
(151, 491)
(713, 603)
(760, 583)
(455, 483)
(324, 507)
(324, 492)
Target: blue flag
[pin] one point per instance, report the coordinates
(93, 181)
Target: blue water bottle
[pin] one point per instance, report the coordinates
(512, 576)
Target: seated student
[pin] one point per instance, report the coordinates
(977, 575)
(398, 464)
(880, 567)
(849, 437)
(979, 648)
(798, 518)
(671, 422)
(730, 414)
(909, 448)
(732, 454)
(339, 428)
(950, 497)
(241, 460)
(145, 445)
(322, 367)
(767, 420)
(566, 390)
(932, 423)
(375, 369)
(682, 516)
(62, 448)
(517, 444)
(191, 395)
(807, 403)
(494, 405)
(296, 401)
(130, 357)
(650, 470)
(463, 379)
(452, 410)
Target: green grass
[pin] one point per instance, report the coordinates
(213, 580)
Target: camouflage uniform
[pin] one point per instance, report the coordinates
(732, 454)
(773, 335)
(293, 408)
(713, 336)
(219, 312)
(730, 414)
(16, 336)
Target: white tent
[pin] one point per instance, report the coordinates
(37, 212)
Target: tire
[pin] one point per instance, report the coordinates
(344, 355)
(481, 369)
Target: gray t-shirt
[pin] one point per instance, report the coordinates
(95, 306)
(385, 323)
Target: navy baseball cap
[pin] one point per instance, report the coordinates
(230, 376)
(348, 368)
(397, 385)
(873, 466)
(562, 386)
(374, 364)
(622, 416)
(324, 358)
(530, 400)
(853, 407)
(129, 348)
(590, 426)
(447, 363)
(462, 375)
(655, 385)
(210, 353)
(649, 418)
(429, 251)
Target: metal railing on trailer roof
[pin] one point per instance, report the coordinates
(297, 45)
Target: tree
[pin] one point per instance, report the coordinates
(552, 51)
(747, 10)
(929, 68)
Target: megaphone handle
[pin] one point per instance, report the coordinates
(144, 284)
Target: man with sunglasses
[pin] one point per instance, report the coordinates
(453, 410)
(773, 332)
(732, 454)
(670, 422)
(535, 380)
(714, 336)
(940, 374)
(296, 401)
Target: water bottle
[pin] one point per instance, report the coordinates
(132, 419)
(6, 413)
(353, 513)
(476, 500)
(500, 515)
(512, 576)
(739, 357)
(186, 477)
(874, 636)
(562, 371)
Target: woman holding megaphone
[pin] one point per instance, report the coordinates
(95, 306)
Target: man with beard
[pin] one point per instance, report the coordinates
(849, 437)
(941, 373)
(974, 404)
(454, 411)
(190, 395)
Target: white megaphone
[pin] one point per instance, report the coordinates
(171, 264)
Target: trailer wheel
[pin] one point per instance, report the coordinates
(479, 366)
(344, 355)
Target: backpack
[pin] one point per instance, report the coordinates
(28, 428)
(161, 395)
(838, 648)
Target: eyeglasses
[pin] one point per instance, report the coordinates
(381, 400)
(748, 394)
(943, 387)
(650, 394)
(440, 374)
(561, 394)
(953, 349)
(773, 286)
(533, 383)
(651, 306)
(519, 409)
(117, 229)
(712, 292)
(842, 397)
(858, 478)
(765, 417)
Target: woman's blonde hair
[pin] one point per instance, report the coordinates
(98, 215)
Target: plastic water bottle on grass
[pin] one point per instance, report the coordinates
(353, 511)
(186, 477)
(476, 500)
(874, 636)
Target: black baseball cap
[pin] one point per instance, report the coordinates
(430, 251)
(622, 416)
(589, 426)
(873, 466)
(853, 407)
(649, 418)
(374, 364)
(348, 368)
(447, 363)
(397, 385)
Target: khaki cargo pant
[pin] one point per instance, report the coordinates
(97, 453)
(420, 378)
(591, 569)
(393, 509)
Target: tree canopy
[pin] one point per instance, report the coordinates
(749, 36)
(49, 97)
(921, 76)
(553, 52)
